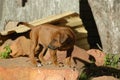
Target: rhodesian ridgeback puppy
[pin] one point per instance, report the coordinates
(51, 37)
(21, 47)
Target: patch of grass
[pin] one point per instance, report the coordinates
(111, 60)
(5, 54)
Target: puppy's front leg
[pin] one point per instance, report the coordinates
(33, 60)
(53, 56)
(68, 57)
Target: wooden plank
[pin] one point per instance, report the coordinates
(53, 18)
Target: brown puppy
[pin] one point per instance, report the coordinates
(51, 37)
(21, 47)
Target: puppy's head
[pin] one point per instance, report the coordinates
(14, 51)
(58, 41)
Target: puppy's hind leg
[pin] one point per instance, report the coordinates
(41, 56)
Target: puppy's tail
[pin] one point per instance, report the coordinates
(26, 24)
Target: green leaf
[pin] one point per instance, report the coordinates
(6, 53)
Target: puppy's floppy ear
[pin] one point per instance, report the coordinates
(63, 38)
(57, 37)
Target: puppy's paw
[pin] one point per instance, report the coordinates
(61, 64)
(73, 67)
(39, 65)
(48, 63)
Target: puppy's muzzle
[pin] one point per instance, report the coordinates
(52, 47)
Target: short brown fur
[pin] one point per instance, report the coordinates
(53, 38)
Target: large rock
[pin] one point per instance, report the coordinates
(107, 16)
(27, 73)
(22, 69)
(98, 55)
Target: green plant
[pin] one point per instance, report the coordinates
(6, 53)
(111, 60)
(83, 76)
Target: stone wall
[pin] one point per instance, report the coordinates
(107, 16)
(33, 9)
